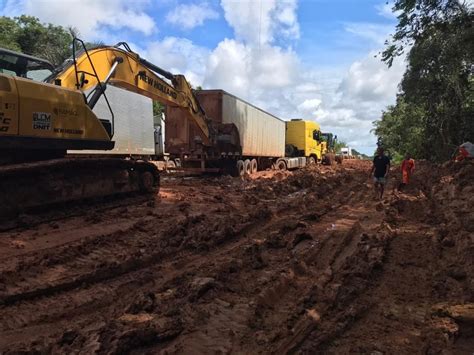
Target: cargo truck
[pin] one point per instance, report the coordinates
(172, 141)
(263, 137)
(346, 153)
(304, 139)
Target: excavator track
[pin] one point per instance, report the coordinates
(44, 183)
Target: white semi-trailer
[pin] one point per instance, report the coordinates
(261, 134)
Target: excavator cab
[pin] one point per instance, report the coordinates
(24, 66)
(40, 121)
(330, 140)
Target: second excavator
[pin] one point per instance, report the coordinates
(40, 120)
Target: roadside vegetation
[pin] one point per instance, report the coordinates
(434, 110)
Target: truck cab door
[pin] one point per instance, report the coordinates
(317, 143)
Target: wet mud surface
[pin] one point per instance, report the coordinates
(285, 262)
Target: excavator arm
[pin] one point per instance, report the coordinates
(96, 68)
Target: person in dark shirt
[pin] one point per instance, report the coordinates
(379, 171)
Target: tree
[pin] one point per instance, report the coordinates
(434, 109)
(158, 108)
(418, 19)
(338, 145)
(8, 32)
(401, 128)
(28, 35)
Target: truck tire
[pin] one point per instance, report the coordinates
(253, 166)
(247, 167)
(328, 159)
(311, 160)
(240, 168)
(280, 165)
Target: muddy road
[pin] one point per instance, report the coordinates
(300, 262)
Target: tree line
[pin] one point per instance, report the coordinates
(28, 35)
(434, 109)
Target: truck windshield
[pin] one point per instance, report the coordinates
(316, 135)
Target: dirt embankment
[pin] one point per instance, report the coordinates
(304, 262)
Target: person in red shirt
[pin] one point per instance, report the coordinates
(408, 167)
(465, 151)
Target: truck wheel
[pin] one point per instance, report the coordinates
(311, 161)
(240, 168)
(253, 166)
(247, 167)
(280, 165)
(328, 159)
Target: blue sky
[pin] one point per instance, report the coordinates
(311, 59)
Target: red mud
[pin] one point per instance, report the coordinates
(287, 262)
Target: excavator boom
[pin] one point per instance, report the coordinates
(96, 68)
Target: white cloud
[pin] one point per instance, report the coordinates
(370, 80)
(228, 67)
(251, 66)
(375, 33)
(385, 10)
(261, 22)
(179, 56)
(246, 70)
(310, 105)
(364, 91)
(88, 16)
(189, 16)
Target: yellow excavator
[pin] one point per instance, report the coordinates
(40, 120)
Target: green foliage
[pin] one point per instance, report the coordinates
(8, 34)
(338, 145)
(417, 19)
(401, 128)
(28, 35)
(158, 108)
(434, 110)
(397, 158)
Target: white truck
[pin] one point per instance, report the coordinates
(346, 153)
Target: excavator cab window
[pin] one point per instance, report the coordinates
(25, 66)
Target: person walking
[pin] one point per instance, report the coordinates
(408, 167)
(379, 171)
